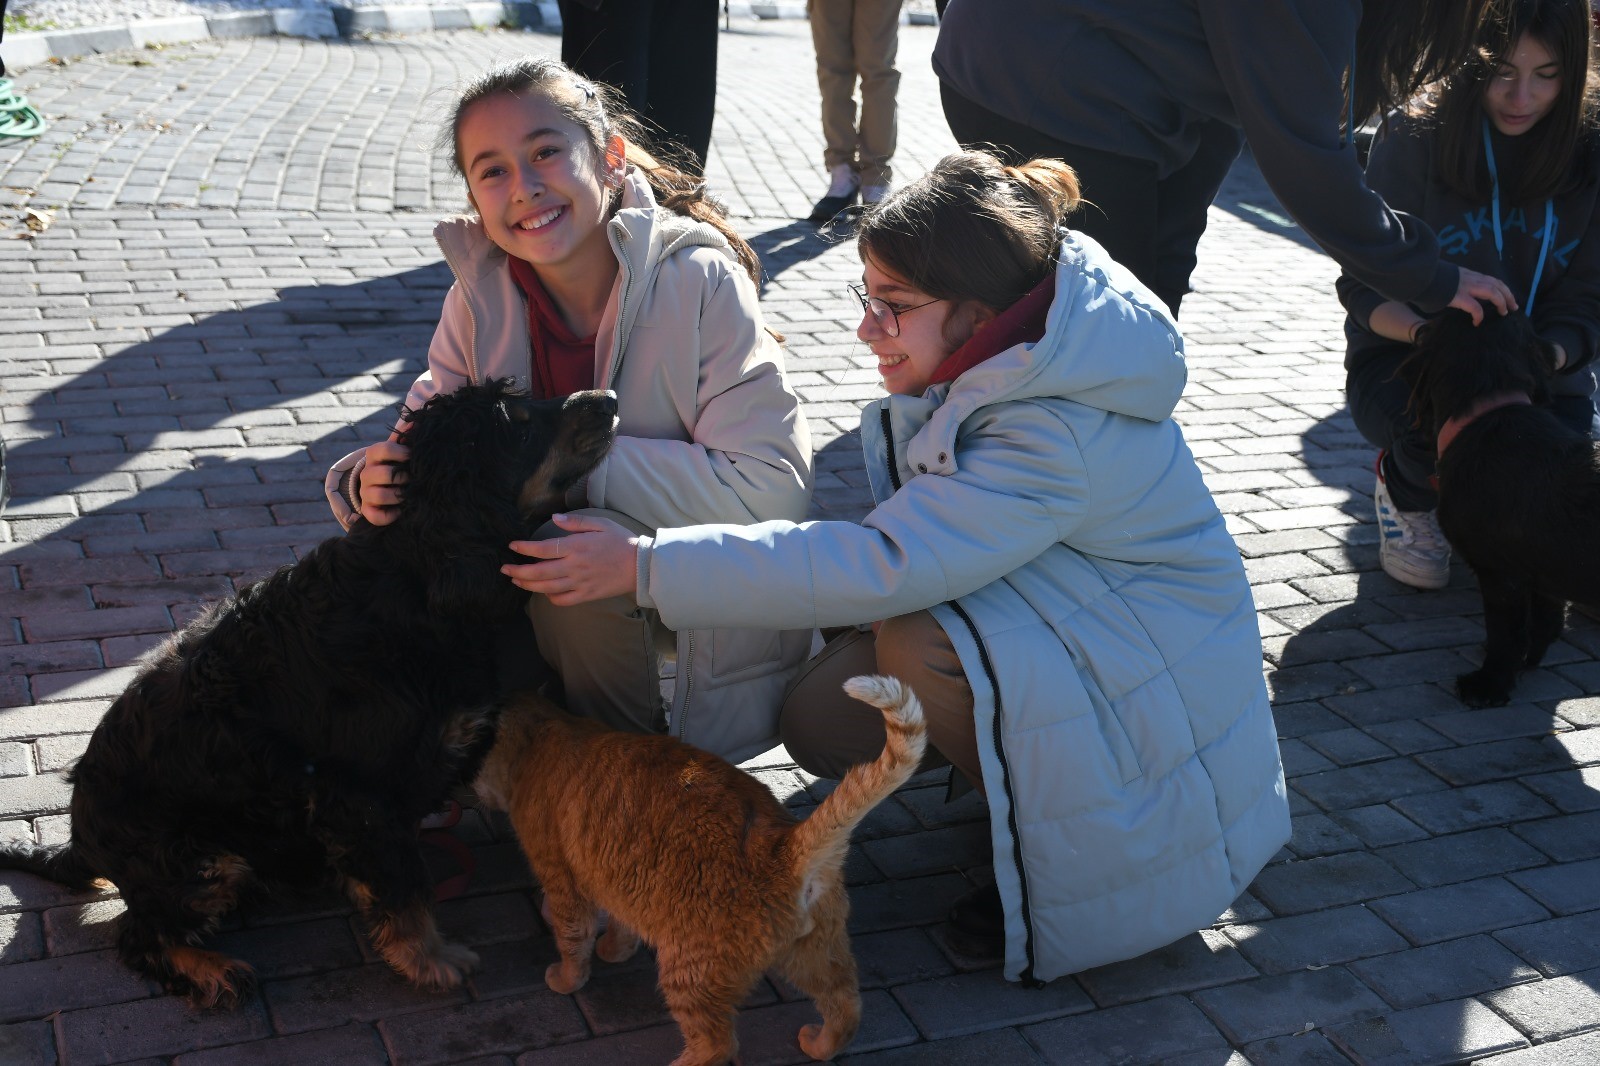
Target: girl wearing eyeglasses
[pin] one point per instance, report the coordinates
(1044, 567)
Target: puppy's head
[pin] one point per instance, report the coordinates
(1456, 363)
(489, 465)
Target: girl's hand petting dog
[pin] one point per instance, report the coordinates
(381, 478)
(594, 561)
(1473, 288)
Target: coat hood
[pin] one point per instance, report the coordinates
(1109, 343)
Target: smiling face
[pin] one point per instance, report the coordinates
(928, 334)
(539, 186)
(1524, 87)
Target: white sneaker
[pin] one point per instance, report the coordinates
(844, 181)
(1411, 547)
(871, 194)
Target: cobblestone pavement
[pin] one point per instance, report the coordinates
(237, 285)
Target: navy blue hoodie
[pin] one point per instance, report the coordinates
(1145, 78)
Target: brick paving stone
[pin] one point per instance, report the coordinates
(1474, 807)
(32, 989)
(1348, 746)
(1445, 971)
(1550, 1009)
(348, 1045)
(1438, 1033)
(1569, 791)
(898, 904)
(1496, 723)
(27, 1043)
(499, 1026)
(1157, 1030)
(1359, 786)
(1558, 946)
(82, 926)
(982, 1049)
(1300, 1049)
(1408, 738)
(1201, 960)
(1406, 702)
(1462, 856)
(1577, 1051)
(163, 1026)
(1488, 762)
(1566, 888)
(1329, 881)
(21, 938)
(897, 957)
(1378, 825)
(1318, 834)
(972, 1002)
(1567, 838)
(322, 1000)
(1431, 915)
(1320, 938)
(1288, 1003)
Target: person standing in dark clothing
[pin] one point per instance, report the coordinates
(1150, 102)
(661, 54)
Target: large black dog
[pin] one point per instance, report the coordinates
(302, 728)
(1519, 492)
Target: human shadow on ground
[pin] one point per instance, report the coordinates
(794, 243)
(197, 460)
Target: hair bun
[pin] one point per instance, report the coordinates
(1051, 179)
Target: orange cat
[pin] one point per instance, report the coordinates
(697, 858)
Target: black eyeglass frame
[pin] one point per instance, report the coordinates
(871, 304)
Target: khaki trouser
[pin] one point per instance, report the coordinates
(605, 652)
(857, 38)
(827, 732)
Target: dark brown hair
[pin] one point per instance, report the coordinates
(973, 228)
(594, 107)
(1455, 106)
(1402, 45)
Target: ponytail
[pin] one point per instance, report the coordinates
(973, 228)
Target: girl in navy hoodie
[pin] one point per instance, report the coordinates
(1502, 160)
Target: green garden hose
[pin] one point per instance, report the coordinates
(18, 117)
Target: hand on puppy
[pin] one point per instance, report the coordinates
(1474, 288)
(594, 561)
(381, 478)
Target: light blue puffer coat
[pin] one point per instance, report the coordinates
(1046, 507)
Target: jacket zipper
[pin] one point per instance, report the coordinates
(999, 748)
(620, 343)
(687, 676)
(472, 319)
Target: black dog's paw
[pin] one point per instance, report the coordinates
(1481, 689)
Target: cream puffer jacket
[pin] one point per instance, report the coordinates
(709, 430)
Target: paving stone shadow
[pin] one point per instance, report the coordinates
(184, 466)
(797, 242)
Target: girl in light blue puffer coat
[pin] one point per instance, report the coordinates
(1047, 570)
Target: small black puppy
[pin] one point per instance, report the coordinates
(1519, 492)
(302, 728)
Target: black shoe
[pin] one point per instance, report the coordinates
(978, 924)
(829, 206)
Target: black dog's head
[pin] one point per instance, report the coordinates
(489, 465)
(1456, 363)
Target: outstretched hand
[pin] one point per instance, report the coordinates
(594, 561)
(1473, 288)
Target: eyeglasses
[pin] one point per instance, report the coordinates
(887, 315)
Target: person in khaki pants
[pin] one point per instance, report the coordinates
(855, 39)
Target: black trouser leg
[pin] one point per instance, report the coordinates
(1150, 225)
(683, 74)
(1378, 403)
(661, 55)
